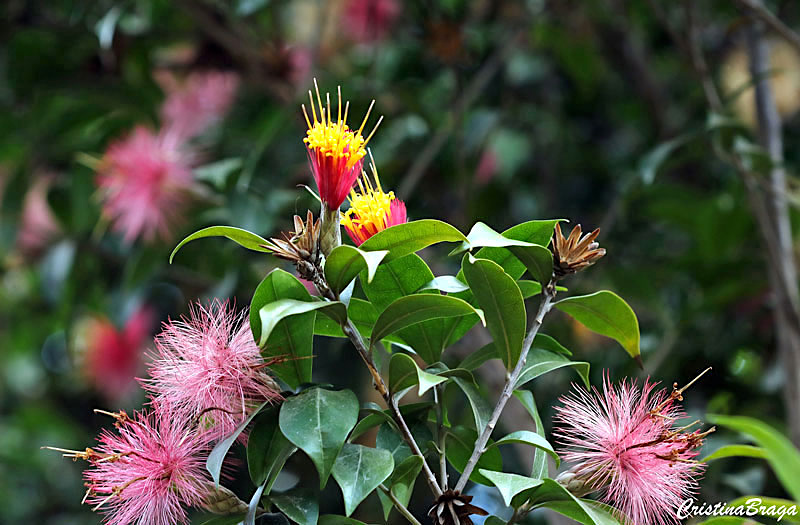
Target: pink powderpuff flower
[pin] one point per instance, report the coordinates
(147, 470)
(113, 357)
(369, 20)
(143, 181)
(208, 367)
(623, 442)
(38, 225)
(198, 102)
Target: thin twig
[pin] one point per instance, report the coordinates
(438, 394)
(549, 293)
(468, 96)
(399, 506)
(757, 9)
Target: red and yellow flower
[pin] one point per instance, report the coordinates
(336, 152)
(371, 210)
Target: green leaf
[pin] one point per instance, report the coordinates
(414, 309)
(300, 505)
(537, 259)
(540, 362)
(274, 312)
(510, 485)
(766, 503)
(480, 356)
(539, 468)
(607, 314)
(362, 313)
(404, 373)
(526, 437)
(534, 232)
(411, 237)
(292, 336)
(481, 410)
(252, 507)
(235, 519)
(460, 442)
(650, 163)
(736, 451)
(403, 478)
(445, 283)
(482, 235)
(390, 439)
(333, 519)
(345, 262)
(217, 173)
(501, 300)
(554, 496)
(217, 455)
(318, 421)
(359, 470)
(545, 342)
(377, 416)
(781, 454)
(244, 238)
(267, 448)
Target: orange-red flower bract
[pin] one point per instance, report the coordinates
(335, 152)
(372, 210)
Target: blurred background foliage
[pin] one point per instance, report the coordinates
(499, 111)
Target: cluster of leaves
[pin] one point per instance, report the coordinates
(401, 307)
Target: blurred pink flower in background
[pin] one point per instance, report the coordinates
(487, 167)
(38, 225)
(209, 366)
(623, 442)
(114, 357)
(143, 181)
(369, 20)
(148, 470)
(197, 102)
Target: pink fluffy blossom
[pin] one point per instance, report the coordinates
(147, 470)
(38, 225)
(623, 442)
(143, 181)
(113, 356)
(369, 20)
(199, 101)
(208, 366)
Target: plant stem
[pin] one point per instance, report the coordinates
(399, 506)
(549, 292)
(380, 385)
(438, 393)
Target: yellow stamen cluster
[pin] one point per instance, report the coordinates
(334, 138)
(369, 206)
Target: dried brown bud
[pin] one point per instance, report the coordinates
(451, 504)
(300, 246)
(574, 253)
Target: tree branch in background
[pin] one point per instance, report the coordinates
(758, 10)
(467, 98)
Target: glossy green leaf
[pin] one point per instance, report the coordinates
(539, 467)
(510, 485)
(481, 410)
(545, 342)
(244, 238)
(252, 507)
(292, 336)
(414, 309)
(345, 262)
(401, 484)
(782, 456)
(607, 314)
(501, 300)
(362, 313)
(235, 519)
(267, 448)
(554, 496)
(736, 451)
(359, 470)
(377, 416)
(526, 437)
(540, 362)
(217, 455)
(272, 313)
(445, 283)
(411, 237)
(318, 421)
(481, 235)
(537, 259)
(300, 505)
(404, 373)
(459, 442)
(480, 356)
(334, 519)
(390, 439)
